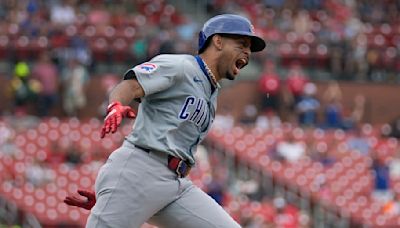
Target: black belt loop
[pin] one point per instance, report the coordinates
(144, 149)
(179, 166)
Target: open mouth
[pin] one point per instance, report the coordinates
(240, 63)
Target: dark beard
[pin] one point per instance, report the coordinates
(229, 76)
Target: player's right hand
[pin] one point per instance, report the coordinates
(87, 203)
(115, 112)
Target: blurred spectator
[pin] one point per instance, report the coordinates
(253, 221)
(224, 118)
(203, 160)
(356, 64)
(312, 4)
(296, 81)
(348, 29)
(187, 31)
(289, 149)
(308, 106)
(8, 147)
(75, 77)
(216, 188)
(358, 142)
(46, 73)
(99, 16)
(304, 219)
(325, 191)
(333, 91)
(249, 115)
(277, 4)
(333, 110)
(302, 22)
(7, 137)
(38, 174)
(63, 13)
(269, 84)
(5, 132)
(8, 175)
(392, 207)
(270, 120)
(139, 47)
(393, 129)
(394, 165)
(79, 49)
(73, 156)
(31, 24)
(251, 188)
(381, 192)
(285, 21)
(356, 116)
(68, 48)
(321, 152)
(336, 60)
(287, 216)
(24, 89)
(167, 47)
(55, 155)
(288, 106)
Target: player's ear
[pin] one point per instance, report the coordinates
(217, 41)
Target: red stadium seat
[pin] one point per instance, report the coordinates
(120, 50)
(38, 45)
(100, 47)
(292, 37)
(4, 47)
(303, 53)
(109, 33)
(320, 55)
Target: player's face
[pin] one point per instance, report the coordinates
(235, 55)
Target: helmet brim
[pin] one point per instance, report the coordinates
(257, 44)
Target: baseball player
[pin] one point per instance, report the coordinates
(144, 180)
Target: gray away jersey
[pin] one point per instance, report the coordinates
(178, 108)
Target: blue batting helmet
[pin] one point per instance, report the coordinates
(229, 24)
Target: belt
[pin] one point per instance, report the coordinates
(177, 165)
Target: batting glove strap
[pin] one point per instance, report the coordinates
(112, 105)
(115, 113)
(87, 202)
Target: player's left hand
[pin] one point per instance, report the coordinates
(115, 112)
(77, 201)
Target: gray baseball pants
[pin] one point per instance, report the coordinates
(134, 187)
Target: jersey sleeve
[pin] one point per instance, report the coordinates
(157, 75)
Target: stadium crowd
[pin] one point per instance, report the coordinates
(50, 51)
(352, 40)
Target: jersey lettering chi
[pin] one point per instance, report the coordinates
(195, 110)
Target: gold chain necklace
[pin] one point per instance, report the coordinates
(212, 76)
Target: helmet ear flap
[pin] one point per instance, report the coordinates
(202, 41)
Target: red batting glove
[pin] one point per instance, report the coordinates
(77, 201)
(115, 112)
